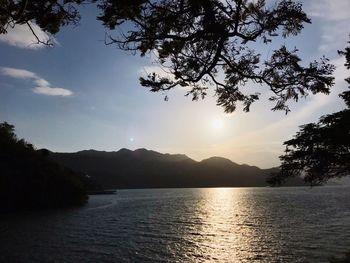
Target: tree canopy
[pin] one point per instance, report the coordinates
(49, 15)
(29, 179)
(319, 151)
(197, 41)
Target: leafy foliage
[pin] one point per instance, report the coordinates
(196, 40)
(319, 151)
(30, 180)
(49, 15)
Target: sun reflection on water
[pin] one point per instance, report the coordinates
(228, 227)
(260, 225)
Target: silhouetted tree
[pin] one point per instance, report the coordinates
(319, 151)
(49, 15)
(29, 179)
(195, 40)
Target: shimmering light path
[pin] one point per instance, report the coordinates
(187, 225)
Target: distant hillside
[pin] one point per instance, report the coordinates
(149, 169)
(29, 180)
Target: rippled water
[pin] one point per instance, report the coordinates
(187, 225)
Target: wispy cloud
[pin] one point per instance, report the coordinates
(52, 91)
(335, 18)
(43, 86)
(335, 10)
(18, 73)
(21, 36)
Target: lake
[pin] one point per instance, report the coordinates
(186, 225)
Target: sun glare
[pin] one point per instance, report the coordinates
(217, 124)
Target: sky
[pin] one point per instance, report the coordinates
(82, 94)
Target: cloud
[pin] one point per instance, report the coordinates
(334, 17)
(43, 86)
(334, 10)
(52, 91)
(334, 36)
(18, 73)
(21, 36)
(42, 82)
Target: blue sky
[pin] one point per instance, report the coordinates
(81, 94)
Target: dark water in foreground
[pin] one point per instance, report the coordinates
(187, 225)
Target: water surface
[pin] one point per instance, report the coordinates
(186, 225)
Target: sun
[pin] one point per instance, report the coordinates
(217, 124)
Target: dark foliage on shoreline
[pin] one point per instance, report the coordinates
(344, 259)
(319, 151)
(30, 180)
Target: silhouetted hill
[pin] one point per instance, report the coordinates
(149, 169)
(29, 179)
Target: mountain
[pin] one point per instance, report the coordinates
(143, 168)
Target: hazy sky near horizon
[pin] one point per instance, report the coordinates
(82, 94)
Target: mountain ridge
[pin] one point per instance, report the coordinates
(142, 168)
(125, 150)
